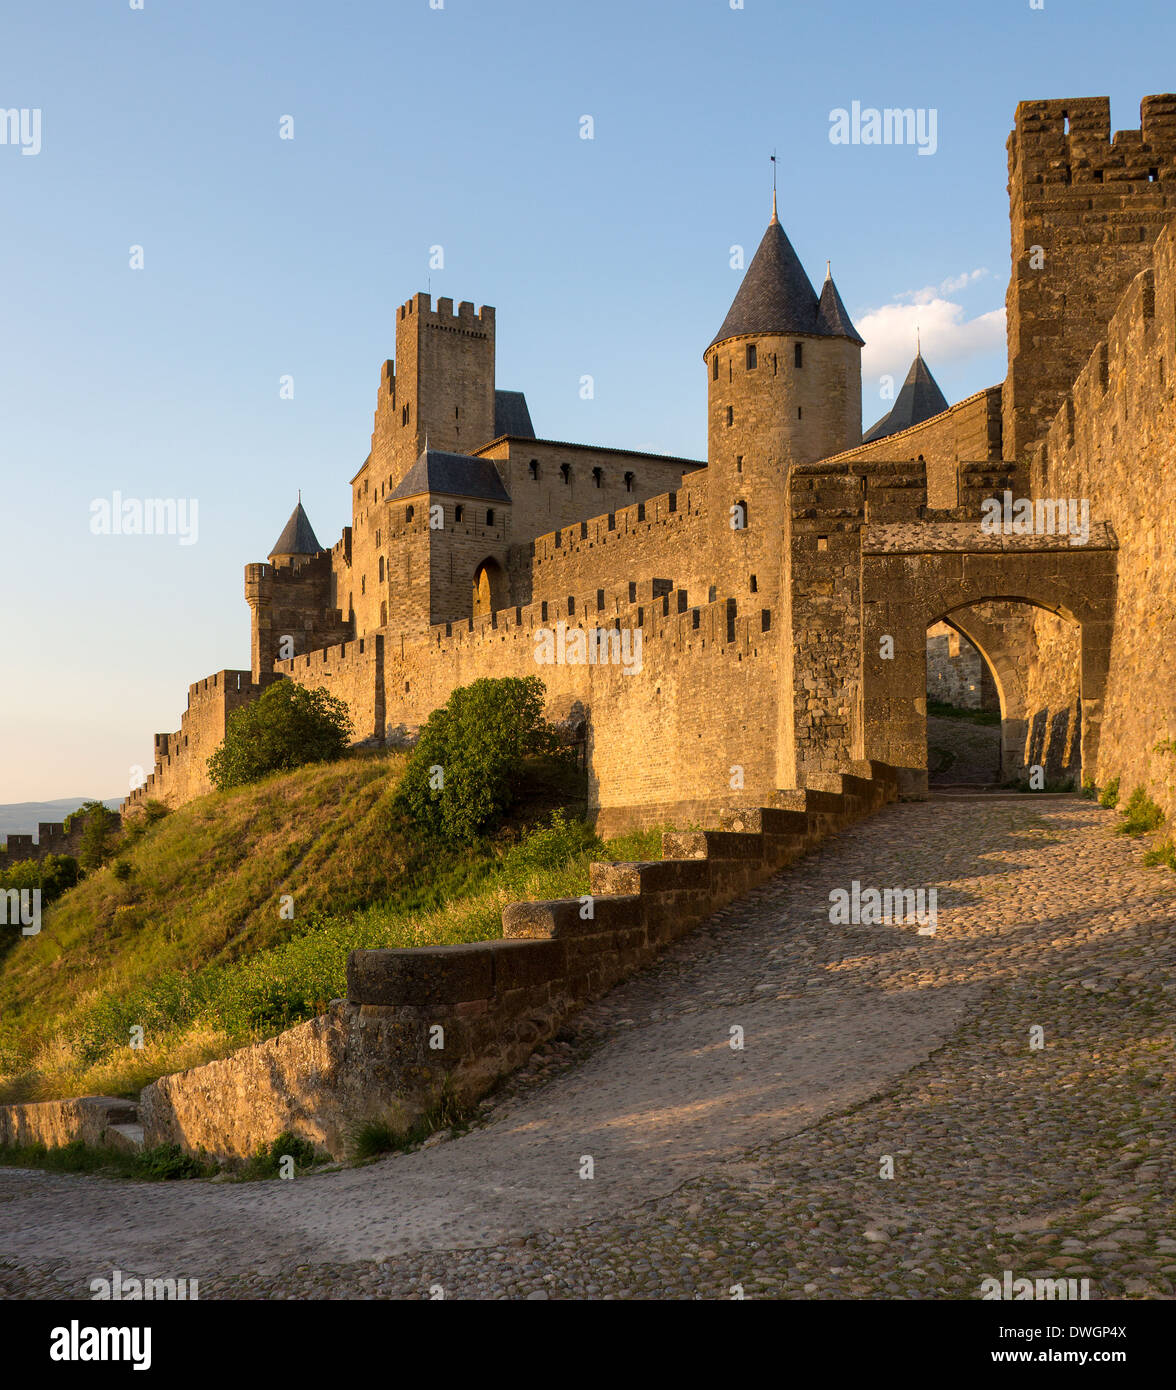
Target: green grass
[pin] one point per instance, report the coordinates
(167, 1163)
(1140, 815)
(190, 945)
(1109, 796)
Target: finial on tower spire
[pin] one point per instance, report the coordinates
(775, 217)
(918, 342)
(828, 270)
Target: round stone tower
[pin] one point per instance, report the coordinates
(784, 387)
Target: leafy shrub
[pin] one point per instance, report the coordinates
(52, 875)
(267, 1162)
(287, 727)
(462, 774)
(1109, 796)
(122, 870)
(168, 1163)
(547, 849)
(95, 848)
(137, 825)
(1141, 814)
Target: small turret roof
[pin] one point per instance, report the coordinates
(777, 297)
(919, 399)
(298, 536)
(832, 315)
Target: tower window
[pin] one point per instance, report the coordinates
(381, 569)
(800, 412)
(409, 513)
(534, 467)
(628, 482)
(598, 477)
(798, 355)
(458, 513)
(739, 463)
(750, 356)
(715, 367)
(383, 615)
(404, 415)
(363, 584)
(490, 516)
(754, 585)
(730, 414)
(565, 472)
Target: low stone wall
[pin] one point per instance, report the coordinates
(420, 1022)
(96, 1120)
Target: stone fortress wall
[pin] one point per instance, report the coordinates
(755, 659)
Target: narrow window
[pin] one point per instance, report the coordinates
(565, 472)
(730, 414)
(800, 412)
(798, 355)
(490, 517)
(534, 467)
(739, 463)
(381, 569)
(715, 367)
(458, 513)
(363, 584)
(383, 615)
(598, 477)
(754, 585)
(750, 356)
(409, 513)
(628, 482)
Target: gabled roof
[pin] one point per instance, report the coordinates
(455, 475)
(297, 536)
(919, 399)
(511, 415)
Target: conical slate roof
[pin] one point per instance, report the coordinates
(298, 536)
(832, 316)
(919, 399)
(776, 296)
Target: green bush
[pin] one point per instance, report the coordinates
(289, 726)
(52, 875)
(463, 772)
(97, 834)
(267, 1162)
(1109, 796)
(1141, 814)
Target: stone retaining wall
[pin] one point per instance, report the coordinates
(424, 1022)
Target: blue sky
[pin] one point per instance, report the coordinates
(416, 127)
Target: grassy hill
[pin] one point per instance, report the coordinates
(182, 935)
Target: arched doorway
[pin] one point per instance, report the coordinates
(489, 588)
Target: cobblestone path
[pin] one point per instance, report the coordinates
(758, 1169)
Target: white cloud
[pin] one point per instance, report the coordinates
(948, 335)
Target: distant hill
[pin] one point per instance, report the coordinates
(23, 817)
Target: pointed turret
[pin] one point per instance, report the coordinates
(832, 317)
(776, 296)
(297, 536)
(919, 399)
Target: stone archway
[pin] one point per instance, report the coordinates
(928, 574)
